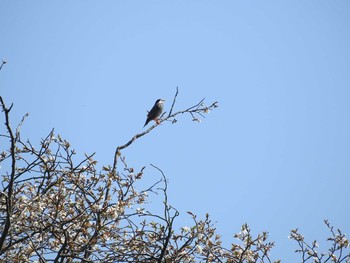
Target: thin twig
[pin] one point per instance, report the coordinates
(20, 125)
(2, 64)
(174, 100)
(167, 216)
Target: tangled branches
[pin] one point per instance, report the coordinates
(338, 251)
(56, 209)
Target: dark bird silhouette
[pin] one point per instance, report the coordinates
(155, 112)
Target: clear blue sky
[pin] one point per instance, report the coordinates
(275, 154)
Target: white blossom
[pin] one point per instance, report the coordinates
(199, 249)
(185, 229)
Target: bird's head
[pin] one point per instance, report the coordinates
(160, 101)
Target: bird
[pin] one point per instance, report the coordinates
(155, 112)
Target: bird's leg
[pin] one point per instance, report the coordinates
(157, 120)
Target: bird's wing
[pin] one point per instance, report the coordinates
(152, 113)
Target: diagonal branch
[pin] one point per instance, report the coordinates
(174, 100)
(198, 108)
(2, 64)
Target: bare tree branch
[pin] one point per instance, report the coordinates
(9, 196)
(2, 64)
(174, 100)
(198, 108)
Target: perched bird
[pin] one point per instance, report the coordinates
(155, 112)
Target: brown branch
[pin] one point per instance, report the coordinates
(12, 176)
(168, 218)
(172, 106)
(2, 64)
(196, 109)
(19, 126)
